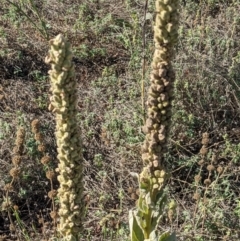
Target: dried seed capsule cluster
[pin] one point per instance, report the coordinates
(205, 164)
(152, 179)
(161, 92)
(45, 160)
(63, 104)
(16, 170)
(18, 151)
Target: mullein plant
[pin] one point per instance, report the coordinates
(152, 203)
(69, 147)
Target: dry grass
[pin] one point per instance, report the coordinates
(107, 44)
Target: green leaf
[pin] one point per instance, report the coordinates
(136, 232)
(168, 237)
(161, 202)
(153, 236)
(142, 205)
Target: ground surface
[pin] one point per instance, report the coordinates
(108, 44)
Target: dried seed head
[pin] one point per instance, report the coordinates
(53, 215)
(16, 160)
(50, 175)
(197, 178)
(45, 160)
(210, 168)
(21, 133)
(15, 207)
(41, 148)
(17, 150)
(207, 182)
(19, 141)
(52, 194)
(201, 162)
(134, 196)
(196, 196)
(35, 126)
(15, 172)
(220, 169)
(205, 139)
(203, 151)
(8, 187)
(214, 158)
(38, 137)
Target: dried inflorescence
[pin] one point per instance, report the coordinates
(38, 136)
(17, 153)
(19, 142)
(35, 126)
(205, 142)
(14, 172)
(63, 104)
(45, 160)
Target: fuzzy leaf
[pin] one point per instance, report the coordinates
(153, 236)
(161, 202)
(142, 205)
(168, 237)
(136, 232)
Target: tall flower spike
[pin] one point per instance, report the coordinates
(162, 78)
(63, 104)
(152, 199)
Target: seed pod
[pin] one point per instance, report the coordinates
(41, 148)
(16, 160)
(8, 187)
(203, 151)
(210, 168)
(35, 126)
(196, 196)
(207, 182)
(50, 175)
(52, 194)
(201, 162)
(15, 172)
(197, 178)
(220, 169)
(45, 160)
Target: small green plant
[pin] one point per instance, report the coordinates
(41, 26)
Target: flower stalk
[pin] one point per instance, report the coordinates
(152, 200)
(69, 147)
